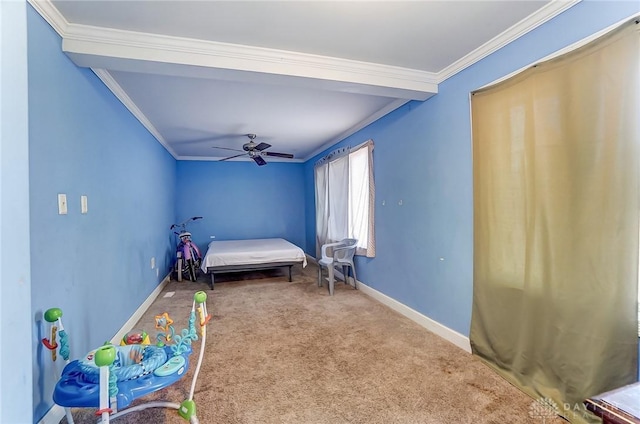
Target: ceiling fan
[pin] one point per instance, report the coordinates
(255, 151)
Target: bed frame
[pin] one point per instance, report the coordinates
(213, 270)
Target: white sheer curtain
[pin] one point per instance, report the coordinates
(338, 199)
(345, 198)
(322, 210)
(361, 199)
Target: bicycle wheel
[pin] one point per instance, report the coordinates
(192, 270)
(179, 268)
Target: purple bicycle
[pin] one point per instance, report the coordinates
(188, 256)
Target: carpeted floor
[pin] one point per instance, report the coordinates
(281, 352)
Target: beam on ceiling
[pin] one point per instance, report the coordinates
(106, 48)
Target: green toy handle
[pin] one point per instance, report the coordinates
(53, 314)
(105, 355)
(200, 297)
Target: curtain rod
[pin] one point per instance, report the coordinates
(341, 151)
(333, 154)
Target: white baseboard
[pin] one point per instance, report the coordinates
(435, 327)
(54, 416)
(131, 322)
(56, 413)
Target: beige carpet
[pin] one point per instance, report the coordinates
(280, 352)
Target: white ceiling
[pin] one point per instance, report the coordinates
(302, 75)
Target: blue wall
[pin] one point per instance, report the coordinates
(15, 281)
(95, 266)
(423, 157)
(241, 200)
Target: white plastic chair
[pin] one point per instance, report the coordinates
(341, 255)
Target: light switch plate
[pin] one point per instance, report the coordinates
(84, 206)
(62, 204)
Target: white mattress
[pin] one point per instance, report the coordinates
(251, 252)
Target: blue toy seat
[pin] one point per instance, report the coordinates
(79, 385)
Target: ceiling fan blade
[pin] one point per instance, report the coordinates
(225, 148)
(280, 155)
(260, 147)
(259, 160)
(231, 157)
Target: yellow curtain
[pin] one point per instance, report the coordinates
(556, 207)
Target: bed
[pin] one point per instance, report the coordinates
(251, 255)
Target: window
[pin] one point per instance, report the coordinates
(345, 198)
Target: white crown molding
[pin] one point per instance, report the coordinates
(48, 11)
(119, 92)
(562, 51)
(539, 17)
